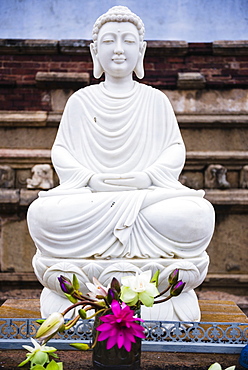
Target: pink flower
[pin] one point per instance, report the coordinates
(121, 327)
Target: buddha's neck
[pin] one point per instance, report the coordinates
(118, 84)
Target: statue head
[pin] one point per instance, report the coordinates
(118, 14)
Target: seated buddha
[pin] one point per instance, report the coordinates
(119, 207)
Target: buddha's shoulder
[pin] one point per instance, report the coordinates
(86, 90)
(153, 91)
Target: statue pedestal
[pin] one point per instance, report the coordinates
(182, 308)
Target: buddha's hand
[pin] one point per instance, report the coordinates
(115, 182)
(131, 180)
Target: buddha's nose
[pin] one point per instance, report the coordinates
(118, 48)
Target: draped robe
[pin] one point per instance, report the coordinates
(102, 132)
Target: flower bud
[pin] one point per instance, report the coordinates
(81, 346)
(53, 324)
(82, 313)
(177, 288)
(112, 294)
(66, 285)
(115, 285)
(173, 277)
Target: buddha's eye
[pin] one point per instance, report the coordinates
(129, 41)
(108, 41)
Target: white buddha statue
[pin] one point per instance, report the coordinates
(119, 207)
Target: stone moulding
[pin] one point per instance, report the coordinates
(29, 46)
(161, 336)
(23, 118)
(191, 80)
(17, 157)
(226, 47)
(62, 79)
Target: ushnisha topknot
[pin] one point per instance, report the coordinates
(118, 14)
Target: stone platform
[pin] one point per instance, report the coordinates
(214, 311)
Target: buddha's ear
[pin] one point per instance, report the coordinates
(97, 67)
(139, 69)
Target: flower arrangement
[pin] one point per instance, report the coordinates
(116, 306)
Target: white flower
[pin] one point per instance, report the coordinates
(97, 289)
(38, 354)
(53, 324)
(138, 288)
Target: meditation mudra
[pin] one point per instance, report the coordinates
(119, 208)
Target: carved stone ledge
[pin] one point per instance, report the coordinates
(63, 80)
(191, 80)
(167, 47)
(236, 200)
(23, 118)
(16, 200)
(74, 46)
(237, 47)
(213, 121)
(18, 158)
(201, 159)
(27, 197)
(23, 46)
(224, 280)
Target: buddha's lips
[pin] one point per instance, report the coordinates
(119, 60)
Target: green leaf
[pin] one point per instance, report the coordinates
(60, 365)
(37, 367)
(215, 366)
(52, 366)
(53, 355)
(155, 277)
(40, 321)
(24, 362)
(75, 282)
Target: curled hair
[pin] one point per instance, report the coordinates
(118, 14)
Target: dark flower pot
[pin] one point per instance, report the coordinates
(115, 358)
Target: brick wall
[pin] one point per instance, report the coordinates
(223, 64)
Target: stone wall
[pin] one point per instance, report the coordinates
(207, 84)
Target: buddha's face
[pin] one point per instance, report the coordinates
(118, 48)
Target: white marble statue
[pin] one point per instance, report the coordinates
(119, 207)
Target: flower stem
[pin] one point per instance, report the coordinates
(72, 322)
(96, 313)
(95, 341)
(164, 291)
(164, 299)
(81, 303)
